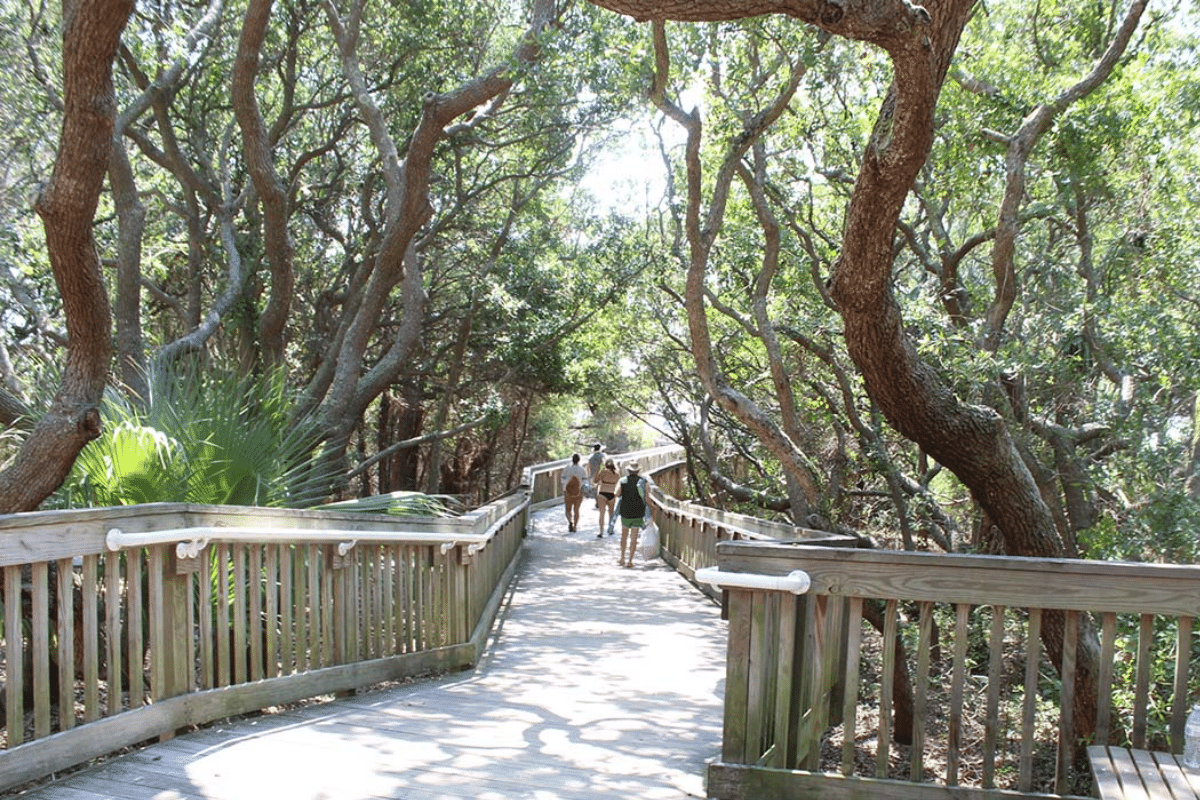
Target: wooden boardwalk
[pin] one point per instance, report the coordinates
(599, 682)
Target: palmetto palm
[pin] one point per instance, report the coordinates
(200, 437)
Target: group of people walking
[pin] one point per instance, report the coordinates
(625, 498)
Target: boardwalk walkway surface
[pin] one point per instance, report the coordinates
(599, 682)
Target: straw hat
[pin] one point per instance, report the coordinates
(633, 466)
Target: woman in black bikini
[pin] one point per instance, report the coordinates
(606, 492)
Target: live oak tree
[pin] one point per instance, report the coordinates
(972, 440)
(67, 205)
(324, 185)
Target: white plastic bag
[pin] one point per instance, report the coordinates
(649, 541)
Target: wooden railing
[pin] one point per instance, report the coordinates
(545, 480)
(121, 625)
(689, 533)
(807, 676)
(125, 624)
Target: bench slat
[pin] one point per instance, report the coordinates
(1152, 777)
(1122, 774)
(1183, 785)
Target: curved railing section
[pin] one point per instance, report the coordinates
(690, 533)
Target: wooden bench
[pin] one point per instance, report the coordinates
(1124, 774)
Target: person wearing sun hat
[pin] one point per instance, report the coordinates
(633, 503)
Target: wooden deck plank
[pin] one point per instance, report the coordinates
(598, 683)
(1152, 778)
(1127, 773)
(1103, 773)
(1122, 774)
(1185, 784)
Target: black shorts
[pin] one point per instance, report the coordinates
(608, 495)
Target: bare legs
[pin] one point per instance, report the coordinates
(630, 536)
(571, 505)
(607, 508)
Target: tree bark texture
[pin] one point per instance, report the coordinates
(271, 191)
(67, 205)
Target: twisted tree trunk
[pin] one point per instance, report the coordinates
(67, 205)
(972, 441)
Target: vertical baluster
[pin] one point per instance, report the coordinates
(362, 604)
(158, 645)
(835, 654)
(756, 692)
(14, 643)
(419, 610)
(319, 644)
(327, 610)
(886, 678)
(785, 735)
(850, 698)
(1141, 697)
(113, 631)
(378, 564)
(40, 648)
(303, 630)
(90, 603)
(240, 668)
(255, 587)
(445, 599)
(916, 764)
(957, 684)
(430, 623)
(737, 675)
(387, 598)
(135, 616)
(190, 632)
(224, 656)
(817, 648)
(992, 721)
(461, 600)
(401, 587)
(286, 610)
(357, 602)
(1179, 703)
(1108, 644)
(366, 603)
(271, 610)
(1032, 657)
(65, 572)
(338, 610)
(1066, 720)
(205, 612)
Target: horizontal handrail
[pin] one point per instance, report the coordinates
(296, 607)
(190, 541)
(1060, 583)
(636, 455)
(714, 516)
(796, 581)
(800, 673)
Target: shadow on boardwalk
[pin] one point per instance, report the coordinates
(599, 682)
